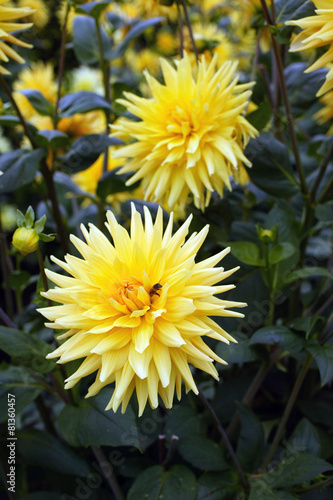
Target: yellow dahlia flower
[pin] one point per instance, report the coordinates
(152, 8)
(137, 309)
(41, 16)
(318, 32)
(8, 14)
(206, 35)
(191, 135)
(40, 76)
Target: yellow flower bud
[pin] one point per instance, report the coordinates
(25, 240)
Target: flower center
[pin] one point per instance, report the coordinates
(135, 296)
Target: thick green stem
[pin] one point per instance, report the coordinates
(254, 387)
(105, 68)
(61, 65)
(226, 441)
(110, 477)
(287, 411)
(322, 171)
(285, 99)
(45, 416)
(180, 29)
(189, 26)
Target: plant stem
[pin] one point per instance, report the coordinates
(61, 65)
(322, 171)
(317, 486)
(180, 29)
(45, 416)
(188, 23)
(286, 102)
(18, 112)
(5, 272)
(326, 192)
(253, 388)
(171, 452)
(287, 411)
(6, 319)
(110, 477)
(105, 68)
(42, 269)
(226, 441)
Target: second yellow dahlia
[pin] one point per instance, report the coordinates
(191, 135)
(137, 309)
(317, 32)
(9, 14)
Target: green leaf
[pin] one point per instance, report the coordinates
(20, 219)
(214, 485)
(302, 87)
(250, 446)
(93, 9)
(261, 116)
(86, 150)
(18, 280)
(324, 212)
(13, 121)
(53, 139)
(26, 349)
(85, 41)
(81, 102)
(278, 335)
(41, 449)
(305, 438)
(38, 101)
(242, 352)
(15, 380)
(261, 490)
(280, 252)
(307, 272)
(134, 32)
(246, 252)
(40, 224)
(296, 469)
(271, 166)
(19, 168)
(111, 183)
(42, 495)
(90, 425)
(155, 483)
(323, 355)
(46, 237)
(182, 421)
(202, 453)
(29, 217)
(287, 10)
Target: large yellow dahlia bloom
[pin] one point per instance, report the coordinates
(317, 32)
(137, 309)
(191, 135)
(8, 14)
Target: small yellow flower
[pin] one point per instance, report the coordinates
(145, 59)
(317, 32)
(25, 240)
(191, 135)
(40, 76)
(152, 8)
(8, 14)
(41, 16)
(166, 43)
(137, 309)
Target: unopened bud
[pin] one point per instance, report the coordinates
(25, 240)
